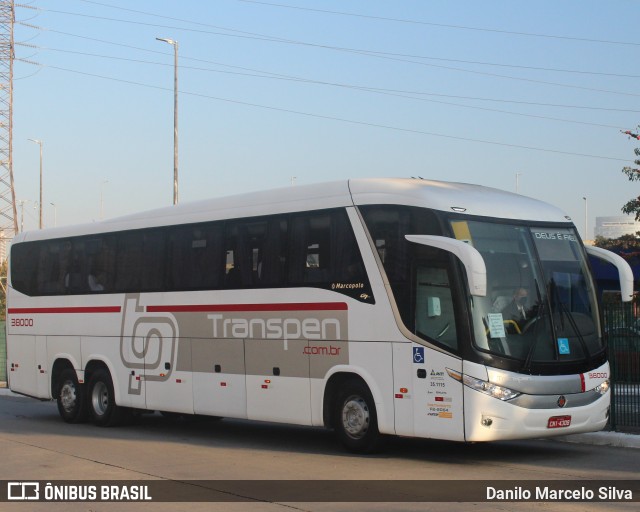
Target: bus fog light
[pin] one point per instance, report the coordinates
(603, 388)
(499, 392)
(486, 422)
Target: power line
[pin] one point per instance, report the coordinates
(345, 120)
(426, 57)
(280, 75)
(386, 92)
(431, 24)
(383, 18)
(371, 53)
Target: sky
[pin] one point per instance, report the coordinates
(276, 93)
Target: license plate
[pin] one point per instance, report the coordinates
(559, 421)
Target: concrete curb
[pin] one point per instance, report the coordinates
(617, 439)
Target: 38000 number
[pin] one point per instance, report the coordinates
(22, 322)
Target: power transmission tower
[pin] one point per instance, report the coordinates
(8, 211)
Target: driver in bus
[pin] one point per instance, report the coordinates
(516, 309)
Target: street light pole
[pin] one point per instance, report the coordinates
(22, 201)
(174, 43)
(39, 142)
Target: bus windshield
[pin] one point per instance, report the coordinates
(540, 309)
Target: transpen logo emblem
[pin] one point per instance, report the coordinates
(562, 401)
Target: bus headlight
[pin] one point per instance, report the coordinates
(603, 388)
(499, 392)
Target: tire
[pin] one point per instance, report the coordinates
(355, 418)
(101, 400)
(70, 396)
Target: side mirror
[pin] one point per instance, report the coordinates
(471, 259)
(625, 274)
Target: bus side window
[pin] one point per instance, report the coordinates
(255, 254)
(153, 260)
(347, 264)
(140, 261)
(254, 234)
(128, 262)
(24, 259)
(102, 261)
(195, 255)
(324, 250)
(238, 268)
(52, 267)
(310, 255)
(272, 256)
(76, 276)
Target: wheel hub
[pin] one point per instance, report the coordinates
(100, 398)
(355, 417)
(68, 396)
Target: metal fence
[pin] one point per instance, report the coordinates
(622, 328)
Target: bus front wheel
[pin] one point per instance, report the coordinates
(70, 397)
(355, 419)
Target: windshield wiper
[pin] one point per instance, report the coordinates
(527, 361)
(572, 321)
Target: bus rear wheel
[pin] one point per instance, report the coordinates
(70, 397)
(102, 402)
(355, 418)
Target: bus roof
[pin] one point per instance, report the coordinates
(449, 196)
(439, 195)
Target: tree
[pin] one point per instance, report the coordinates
(633, 205)
(627, 246)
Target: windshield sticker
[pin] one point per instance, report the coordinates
(563, 346)
(557, 245)
(559, 236)
(496, 325)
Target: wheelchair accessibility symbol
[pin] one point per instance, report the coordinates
(418, 354)
(563, 346)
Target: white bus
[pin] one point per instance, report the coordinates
(371, 306)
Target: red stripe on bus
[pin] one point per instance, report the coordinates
(582, 383)
(208, 308)
(86, 309)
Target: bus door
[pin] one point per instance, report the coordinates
(436, 397)
(428, 401)
(438, 404)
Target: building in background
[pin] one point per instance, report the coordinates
(615, 227)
